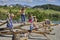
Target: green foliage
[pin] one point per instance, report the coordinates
(45, 14)
(40, 13)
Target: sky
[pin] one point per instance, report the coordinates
(30, 2)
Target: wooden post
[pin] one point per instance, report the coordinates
(16, 37)
(23, 36)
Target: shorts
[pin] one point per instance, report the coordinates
(9, 26)
(23, 18)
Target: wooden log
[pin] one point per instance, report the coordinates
(16, 37)
(3, 23)
(43, 33)
(18, 32)
(11, 32)
(54, 24)
(24, 38)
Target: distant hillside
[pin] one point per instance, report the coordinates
(15, 5)
(48, 6)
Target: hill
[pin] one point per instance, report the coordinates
(48, 6)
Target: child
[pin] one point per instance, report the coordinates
(47, 22)
(33, 25)
(9, 21)
(22, 11)
(30, 18)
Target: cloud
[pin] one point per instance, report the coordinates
(38, 0)
(27, 0)
(3, 0)
(51, 0)
(30, 0)
(18, 0)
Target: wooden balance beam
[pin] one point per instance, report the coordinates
(3, 23)
(54, 24)
(16, 27)
(13, 33)
(26, 31)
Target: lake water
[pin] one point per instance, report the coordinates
(56, 22)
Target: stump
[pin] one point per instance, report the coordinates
(16, 37)
(23, 36)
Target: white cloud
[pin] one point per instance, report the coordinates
(16, 1)
(51, 0)
(38, 0)
(27, 0)
(3, 0)
(30, 0)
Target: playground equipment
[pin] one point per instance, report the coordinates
(18, 32)
(3, 23)
(14, 33)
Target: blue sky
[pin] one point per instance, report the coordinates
(30, 2)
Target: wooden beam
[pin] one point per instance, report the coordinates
(11, 32)
(3, 23)
(26, 31)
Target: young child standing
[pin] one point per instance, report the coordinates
(9, 21)
(30, 17)
(22, 11)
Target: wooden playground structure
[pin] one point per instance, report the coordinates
(15, 33)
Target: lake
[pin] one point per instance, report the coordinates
(56, 22)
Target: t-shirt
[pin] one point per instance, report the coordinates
(22, 13)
